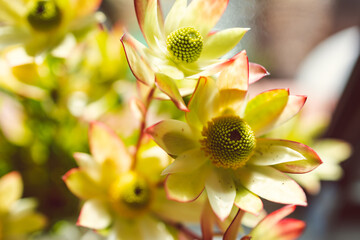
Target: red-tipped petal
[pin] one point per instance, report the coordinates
(310, 161)
(174, 136)
(265, 108)
(81, 185)
(257, 72)
(149, 16)
(271, 184)
(290, 228)
(106, 145)
(203, 14)
(167, 85)
(286, 156)
(136, 58)
(236, 74)
(275, 227)
(94, 214)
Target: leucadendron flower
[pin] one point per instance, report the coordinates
(179, 47)
(42, 25)
(219, 148)
(18, 218)
(124, 201)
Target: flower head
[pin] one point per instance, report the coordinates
(117, 196)
(42, 25)
(180, 46)
(220, 148)
(17, 216)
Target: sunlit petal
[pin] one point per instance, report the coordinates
(272, 185)
(257, 72)
(270, 152)
(106, 145)
(293, 106)
(203, 14)
(186, 187)
(202, 102)
(94, 214)
(151, 26)
(172, 19)
(221, 192)
(87, 164)
(78, 183)
(136, 58)
(236, 74)
(167, 85)
(219, 43)
(247, 200)
(174, 136)
(264, 108)
(233, 82)
(293, 157)
(187, 162)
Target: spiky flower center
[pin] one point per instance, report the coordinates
(185, 44)
(229, 141)
(131, 195)
(44, 15)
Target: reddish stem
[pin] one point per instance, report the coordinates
(147, 102)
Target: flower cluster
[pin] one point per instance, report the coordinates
(147, 169)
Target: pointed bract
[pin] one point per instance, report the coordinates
(105, 145)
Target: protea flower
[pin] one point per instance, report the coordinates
(123, 198)
(219, 148)
(41, 25)
(179, 47)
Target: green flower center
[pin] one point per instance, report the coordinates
(229, 141)
(44, 15)
(131, 195)
(185, 44)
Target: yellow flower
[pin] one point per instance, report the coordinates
(220, 147)
(41, 25)
(17, 216)
(125, 199)
(179, 47)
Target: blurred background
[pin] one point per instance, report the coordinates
(312, 47)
